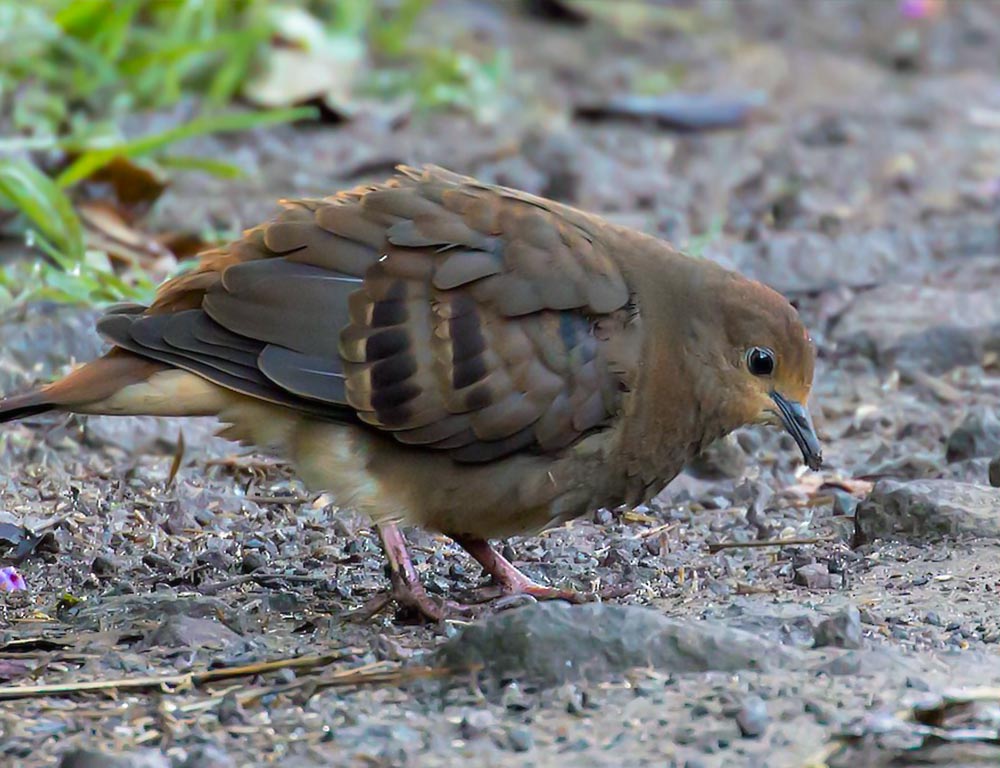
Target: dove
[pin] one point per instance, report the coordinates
(474, 360)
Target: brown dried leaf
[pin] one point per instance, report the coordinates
(132, 186)
(105, 229)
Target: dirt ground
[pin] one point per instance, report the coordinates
(865, 186)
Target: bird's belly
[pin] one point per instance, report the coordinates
(389, 482)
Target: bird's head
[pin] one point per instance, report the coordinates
(762, 360)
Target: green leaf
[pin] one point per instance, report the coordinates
(40, 200)
(94, 160)
(218, 168)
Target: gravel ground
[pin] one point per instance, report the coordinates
(866, 187)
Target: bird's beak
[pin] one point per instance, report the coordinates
(795, 418)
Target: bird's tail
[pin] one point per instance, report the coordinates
(28, 404)
(120, 383)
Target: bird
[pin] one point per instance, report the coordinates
(467, 358)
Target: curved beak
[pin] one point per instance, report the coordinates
(795, 418)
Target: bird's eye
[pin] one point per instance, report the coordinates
(760, 361)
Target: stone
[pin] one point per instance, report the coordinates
(192, 632)
(122, 612)
(476, 723)
(520, 739)
(842, 630)
(814, 576)
(936, 324)
(752, 717)
(723, 459)
(978, 435)
(936, 350)
(554, 643)
(919, 510)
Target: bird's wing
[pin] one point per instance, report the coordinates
(454, 315)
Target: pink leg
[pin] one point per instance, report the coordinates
(509, 580)
(407, 590)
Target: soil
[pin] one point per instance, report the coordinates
(865, 186)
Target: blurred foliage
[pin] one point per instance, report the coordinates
(72, 70)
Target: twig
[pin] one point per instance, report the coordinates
(665, 528)
(166, 683)
(280, 499)
(713, 548)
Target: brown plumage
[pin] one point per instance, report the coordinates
(463, 357)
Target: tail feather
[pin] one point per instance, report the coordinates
(91, 384)
(21, 406)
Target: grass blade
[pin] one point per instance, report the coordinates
(44, 204)
(91, 161)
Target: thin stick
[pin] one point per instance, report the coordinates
(300, 499)
(713, 548)
(166, 683)
(665, 528)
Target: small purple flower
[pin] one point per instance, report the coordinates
(11, 580)
(917, 10)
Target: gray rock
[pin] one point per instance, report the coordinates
(118, 612)
(842, 630)
(476, 723)
(978, 435)
(882, 662)
(937, 349)
(814, 576)
(935, 324)
(722, 459)
(856, 259)
(521, 739)
(916, 510)
(88, 758)
(752, 718)
(191, 632)
(553, 643)
(995, 472)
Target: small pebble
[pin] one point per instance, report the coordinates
(520, 739)
(253, 560)
(102, 566)
(752, 718)
(842, 630)
(476, 723)
(814, 576)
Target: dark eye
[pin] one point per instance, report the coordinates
(760, 361)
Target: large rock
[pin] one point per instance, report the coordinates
(126, 612)
(935, 325)
(927, 509)
(553, 643)
(978, 435)
(182, 631)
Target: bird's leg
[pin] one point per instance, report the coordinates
(407, 590)
(507, 578)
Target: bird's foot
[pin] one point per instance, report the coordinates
(407, 592)
(508, 581)
(506, 593)
(418, 605)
